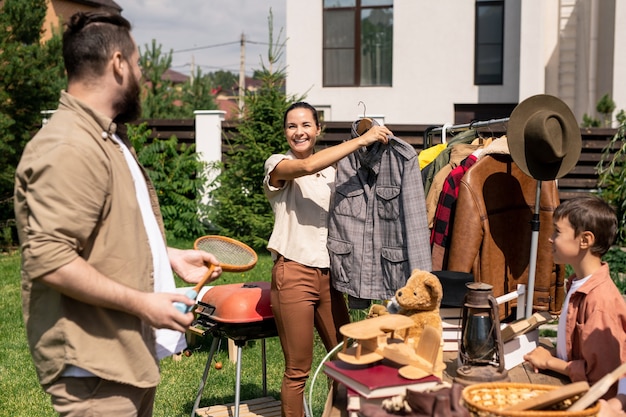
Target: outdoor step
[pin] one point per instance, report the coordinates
(258, 407)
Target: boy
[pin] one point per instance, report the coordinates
(591, 336)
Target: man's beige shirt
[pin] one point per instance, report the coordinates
(74, 197)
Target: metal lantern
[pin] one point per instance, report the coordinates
(481, 352)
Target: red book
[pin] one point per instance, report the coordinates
(375, 380)
(354, 401)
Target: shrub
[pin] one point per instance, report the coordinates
(612, 178)
(616, 258)
(176, 171)
(239, 208)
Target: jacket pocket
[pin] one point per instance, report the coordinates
(349, 201)
(395, 267)
(388, 202)
(340, 253)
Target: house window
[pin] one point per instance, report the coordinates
(489, 38)
(358, 43)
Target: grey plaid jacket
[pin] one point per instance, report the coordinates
(378, 231)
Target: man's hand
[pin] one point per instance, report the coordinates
(157, 309)
(81, 281)
(191, 265)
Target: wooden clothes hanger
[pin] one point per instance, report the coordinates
(364, 125)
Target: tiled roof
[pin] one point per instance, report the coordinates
(100, 3)
(174, 76)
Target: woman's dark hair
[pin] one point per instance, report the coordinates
(90, 39)
(590, 213)
(302, 105)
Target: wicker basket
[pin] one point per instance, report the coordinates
(491, 398)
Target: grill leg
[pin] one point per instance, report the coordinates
(205, 374)
(263, 358)
(238, 377)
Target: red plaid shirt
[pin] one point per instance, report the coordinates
(447, 201)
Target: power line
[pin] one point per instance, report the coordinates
(218, 45)
(207, 47)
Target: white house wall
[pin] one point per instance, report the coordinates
(433, 64)
(538, 54)
(433, 55)
(619, 54)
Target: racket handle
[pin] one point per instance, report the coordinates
(184, 308)
(204, 279)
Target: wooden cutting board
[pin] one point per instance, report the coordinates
(552, 397)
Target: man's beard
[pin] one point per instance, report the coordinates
(129, 106)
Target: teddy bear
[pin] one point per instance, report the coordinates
(419, 299)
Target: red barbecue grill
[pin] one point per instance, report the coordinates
(240, 312)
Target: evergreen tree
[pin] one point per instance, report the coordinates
(31, 79)
(197, 93)
(606, 107)
(224, 80)
(162, 98)
(173, 167)
(239, 208)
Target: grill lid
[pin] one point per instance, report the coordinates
(239, 303)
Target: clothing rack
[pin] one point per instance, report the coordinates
(448, 127)
(535, 220)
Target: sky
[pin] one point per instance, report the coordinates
(207, 33)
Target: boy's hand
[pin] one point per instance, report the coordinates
(539, 358)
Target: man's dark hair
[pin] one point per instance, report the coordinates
(89, 41)
(590, 213)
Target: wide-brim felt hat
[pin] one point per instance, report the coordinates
(544, 138)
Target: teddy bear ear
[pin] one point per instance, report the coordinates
(433, 285)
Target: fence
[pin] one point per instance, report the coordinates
(208, 129)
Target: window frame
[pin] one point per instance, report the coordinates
(357, 10)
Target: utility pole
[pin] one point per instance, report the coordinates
(242, 73)
(193, 68)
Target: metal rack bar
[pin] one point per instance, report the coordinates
(451, 128)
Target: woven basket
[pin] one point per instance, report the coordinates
(491, 398)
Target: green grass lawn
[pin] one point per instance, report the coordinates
(21, 394)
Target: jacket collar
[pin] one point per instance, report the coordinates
(596, 279)
(100, 121)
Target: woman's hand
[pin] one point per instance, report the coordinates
(375, 134)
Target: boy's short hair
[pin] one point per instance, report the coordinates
(590, 213)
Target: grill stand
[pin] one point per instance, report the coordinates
(205, 374)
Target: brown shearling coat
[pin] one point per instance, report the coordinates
(491, 235)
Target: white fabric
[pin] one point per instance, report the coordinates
(561, 350)
(168, 341)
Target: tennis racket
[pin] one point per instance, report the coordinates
(233, 256)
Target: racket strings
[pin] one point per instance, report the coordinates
(227, 252)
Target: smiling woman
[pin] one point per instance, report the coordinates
(299, 187)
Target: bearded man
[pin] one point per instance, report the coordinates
(97, 276)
